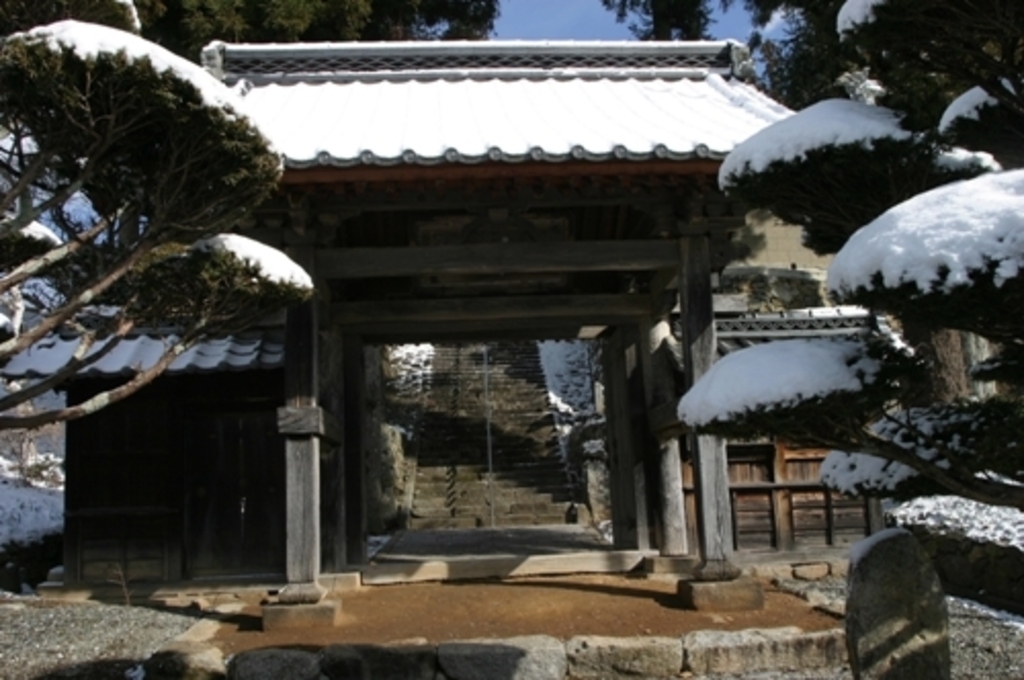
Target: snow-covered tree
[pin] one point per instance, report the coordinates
(923, 230)
(121, 165)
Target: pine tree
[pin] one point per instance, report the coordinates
(663, 19)
(185, 26)
(118, 164)
(862, 193)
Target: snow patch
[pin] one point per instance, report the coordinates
(570, 388)
(27, 513)
(132, 12)
(957, 159)
(272, 263)
(953, 514)
(833, 122)
(41, 233)
(959, 228)
(853, 473)
(856, 12)
(968, 105)
(776, 374)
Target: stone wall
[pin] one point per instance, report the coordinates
(769, 289)
(539, 657)
(987, 572)
(777, 245)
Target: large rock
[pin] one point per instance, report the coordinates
(762, 650)
(533, 657)
(274, 664)
(610, 657)
(371, 662)
(897, 624)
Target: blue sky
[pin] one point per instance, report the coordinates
(588, 20)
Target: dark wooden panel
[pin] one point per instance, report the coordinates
(235, 491)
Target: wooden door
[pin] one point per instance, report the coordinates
(234, 493)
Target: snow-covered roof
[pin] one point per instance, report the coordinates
(733, 334)
(261, 348)
(424, 103)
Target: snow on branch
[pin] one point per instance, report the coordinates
(937, 239)
(777, 375)
(833, 122)
(855, 474)
(968, 105)
(88, 41)
(272, 263)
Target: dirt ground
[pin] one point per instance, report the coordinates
(562, 607)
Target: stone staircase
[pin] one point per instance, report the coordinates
(453, 488)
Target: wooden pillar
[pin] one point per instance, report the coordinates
(333, 541)
(355, 465)
(302, 450)
(711, 478)
(639, 432)
(621, 458)
(659, 391)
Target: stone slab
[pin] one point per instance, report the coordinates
(532, 657)
(611, 561)
(742, 594)
(811, 572)
(301, 593)
(341, 583)
(763, 650)
(660, 564)
(288, 616)
(609, 657)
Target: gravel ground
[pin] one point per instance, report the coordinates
(40, 639)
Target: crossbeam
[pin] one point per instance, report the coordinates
(497, 258)
(579, 309)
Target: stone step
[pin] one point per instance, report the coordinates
(449, 494)
(526, 473)
(535, 499)
(484, 521)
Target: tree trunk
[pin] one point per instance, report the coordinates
(661, 27)
(944, 351)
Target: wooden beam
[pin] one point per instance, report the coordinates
(581, 309)
(496, 258)
(462, 331)
(487, 171)
(711, 477)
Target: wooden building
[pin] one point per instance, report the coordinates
(444, 192)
